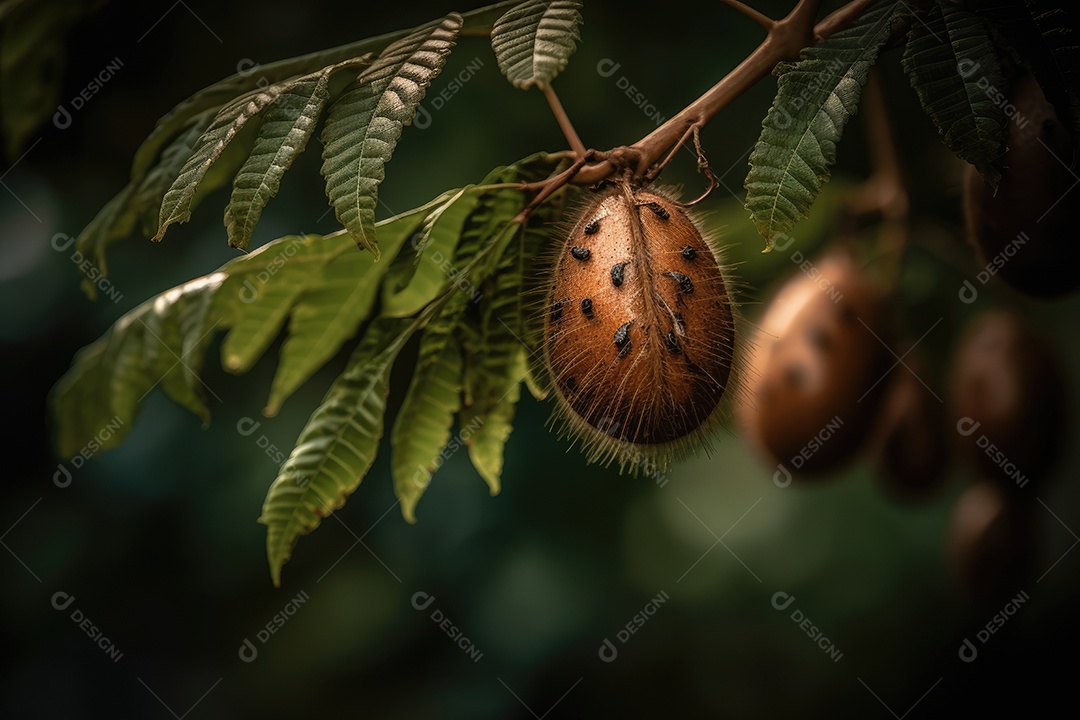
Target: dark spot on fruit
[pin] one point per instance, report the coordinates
(689, 253)
(686, 285)
(659, 209)
(580, 253)
(622, 338)
(672, 343)
(795, 375)
(556, 310)
(617, 274)
(592, 226)
(587, 309)
(820, 338)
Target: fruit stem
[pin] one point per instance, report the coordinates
(885, 191)
(785, 40)
(564, 122)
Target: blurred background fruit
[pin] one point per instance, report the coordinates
(818, 360)
(1025, 233)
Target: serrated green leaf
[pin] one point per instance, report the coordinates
(539, 235)
(949, 59)
(422, 427)
(263, 288)
(814, 100)
(336, 447)
(251, 76)
(415, 281)
(177, 204)
(115, 220)
(533, 41)
(487, 441)
(161, 342)
(363, 125)
(495, 363)
(330, 312)
(286, 128)
(151, 191)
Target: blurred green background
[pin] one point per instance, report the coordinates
(157, 540)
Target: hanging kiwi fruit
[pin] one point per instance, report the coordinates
(911, 449)
(1008, 398)
(813, 382)
(640, 332)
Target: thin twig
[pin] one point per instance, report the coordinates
(550, 186)
(564, 122)
(885, 191)
(784, 42)
(763, 20)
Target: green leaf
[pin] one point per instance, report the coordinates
(415, 281)
(263, 289)
(250, 78)
(159, 343)
(114, 221)
(363, 125)
(539, 235)
(249, 297)
(949, 58)
(286, 128)
(177, 204)
(336, 447)
(533, 41)
(486, 435)
(422, 427)
(152, 189)
(329, 313)
(495, 363)
(815, 98)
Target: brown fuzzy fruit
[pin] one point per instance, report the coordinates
(817, 370)
(639, 334)
(1025, 234)
(913, 452)
(989, 543)
(1008, 399)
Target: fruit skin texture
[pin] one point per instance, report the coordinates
(1006, 378)
(639, 335)
(1025, 234)
(811, 385)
